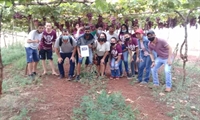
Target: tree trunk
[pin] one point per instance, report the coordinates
(1, 64)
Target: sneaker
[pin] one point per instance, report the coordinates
(69, 78)
(32, 77)
(77, 77)
(122, 75)
(136, 72)
(143, 82)
(34, 73)
(129, 76)
(61, 77)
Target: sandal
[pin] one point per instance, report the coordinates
(56, 74)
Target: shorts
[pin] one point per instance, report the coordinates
(46, 54)
(31, 55)
(99, 59)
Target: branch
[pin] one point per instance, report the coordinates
(58, 3)
(180, 15)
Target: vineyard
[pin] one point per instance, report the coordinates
(49, 98)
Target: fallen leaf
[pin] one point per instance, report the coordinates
(109, 92)
(129, 100)
(161, 94)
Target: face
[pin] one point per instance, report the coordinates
(99, 30)
(65, 33)
(123, 28)
(40, 29)
(112, 42)
(77, 26)
(139, 36)
(48, 26)
(102, 38)
(135, 28)
(111, 29)
(151, 37)
(126, 36)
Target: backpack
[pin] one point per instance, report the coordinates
(70, 40)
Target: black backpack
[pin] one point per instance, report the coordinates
(70, 40)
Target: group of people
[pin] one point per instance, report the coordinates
(141, 52)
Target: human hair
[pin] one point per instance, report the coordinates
(40, 24)
(99, 25)
(113, 38)
(136, 25)
(127, 33)
(125, 27)
(65, 30)
(104, 36)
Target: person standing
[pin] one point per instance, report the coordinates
(111, 33)
(132, 46)
(115, 59)
(164, 52)
(46, 46)
(102, 49)
(86, 39)
(145, 60)
(65, 47)
(31, 48)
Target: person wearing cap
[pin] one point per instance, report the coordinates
(164, 52)
(144, 57)
(65, 47)
(86, 39)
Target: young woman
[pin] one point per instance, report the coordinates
(144, 56)
(116, 55)
(124, 29)
(102, 49)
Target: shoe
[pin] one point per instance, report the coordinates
(34, 73)
(32, 77)
(61, 77)
(136, 72)
(168, 90)
(129, 76)
(143, 82)
(112, 78)
(121, 75)
(69, 78)
(117, 78)
(77, 77)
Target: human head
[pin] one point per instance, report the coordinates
(99, 29)
(65, 32)
(102, 38)
(87, 32)
(151, 35)
(48, 26)
(113, 41)
(40, 28)
(111, 29)
(127, 36)
(124, 28)
(65, 35)
(139, 33)
(135, 27)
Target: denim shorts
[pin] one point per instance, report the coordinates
(31, 55)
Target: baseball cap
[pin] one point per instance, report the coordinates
(150, 32)
(140, 31)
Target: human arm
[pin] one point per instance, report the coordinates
(169, 61)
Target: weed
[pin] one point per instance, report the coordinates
(103, 106)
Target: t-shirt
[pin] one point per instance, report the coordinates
(47, 40)
(109, 36)
(65, 47)
(82, 41)
(132, 44)
(101, 49)
(33, 35)
(160, 48)
(115, 52)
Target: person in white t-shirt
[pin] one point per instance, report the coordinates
(31, 47)
(102, 49)
(111, 33)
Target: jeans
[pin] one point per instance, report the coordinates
(89, 60)
(144, 64)
(125, 61)
(114, 68)
(32, 55)
(133, 65)
(60, 65)
(158, 63)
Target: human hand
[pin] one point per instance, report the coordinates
(72, 58)
(60, 60)
(153, 64)
(169, 62)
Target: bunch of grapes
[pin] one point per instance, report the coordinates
(17, 15)
(29, 17)
(193, 21)
(100, 18)
(67, 25)
(89, 16)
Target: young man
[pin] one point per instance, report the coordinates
(46, 52)
(164, 52)
(111, 33)
(65, 47)
(86, 39)
(31, 48)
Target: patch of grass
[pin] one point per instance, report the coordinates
(183, 99)
(103, 106)
(13, 53)
(22, 115)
